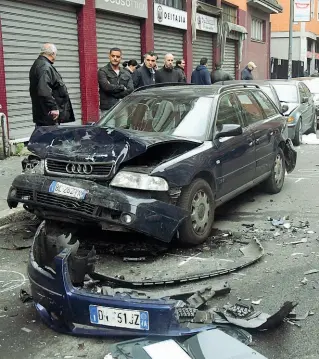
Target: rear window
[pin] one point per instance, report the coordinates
(286, 93)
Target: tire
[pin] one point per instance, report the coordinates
(198, 199)
(313, 128)
(298, 134)
(275, 181)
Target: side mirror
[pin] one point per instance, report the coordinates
(284, 108)
(229, 131)
(304, 100)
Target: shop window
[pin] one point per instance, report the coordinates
(312, 9)
(318, 11)
(229, 13)
(317, 47)
(257, 29)
(309, 45)
(176, 4)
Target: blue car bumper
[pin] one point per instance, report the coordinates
(65, 308)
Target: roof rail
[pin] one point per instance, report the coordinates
(229, 87)
(165, 84)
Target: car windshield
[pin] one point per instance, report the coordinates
(286, 93)
(176, 114)
(313, 86)
(269, 92)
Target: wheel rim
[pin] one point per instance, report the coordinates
(278, 170)
(200, 212)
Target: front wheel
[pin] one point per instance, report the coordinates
(275, 181)
(198, 200)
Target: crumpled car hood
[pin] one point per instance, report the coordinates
(291, 107)
(94, 143)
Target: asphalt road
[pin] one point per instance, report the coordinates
(274, 279)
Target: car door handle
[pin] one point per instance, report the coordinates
(250, 142)
(257, 141)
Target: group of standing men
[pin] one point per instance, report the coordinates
(116, 82)
(51, 104)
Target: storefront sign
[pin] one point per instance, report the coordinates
(206, 23)
(302, 10)
(128, 7)
(309, 54)
(168, 16)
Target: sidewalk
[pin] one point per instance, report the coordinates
(9, 168)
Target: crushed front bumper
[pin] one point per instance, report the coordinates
(103, 205)
(66, 308)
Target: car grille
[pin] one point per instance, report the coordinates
(68, 203)
(81, 169)
(25, 194)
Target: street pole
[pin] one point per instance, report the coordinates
(291, 21)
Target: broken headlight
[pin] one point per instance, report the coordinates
(33, 164)
(139, 181)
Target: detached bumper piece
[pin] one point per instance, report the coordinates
(85, 201)
(71, 309)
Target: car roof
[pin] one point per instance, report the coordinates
(283, 81)
(195, 90)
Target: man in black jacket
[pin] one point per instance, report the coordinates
(145, 75)
(219, 74)
(51, 103)
(180, 66)
(167, 73)
(114, 82)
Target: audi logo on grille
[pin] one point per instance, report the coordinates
(79, 168)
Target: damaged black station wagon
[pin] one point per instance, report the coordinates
(159, 162)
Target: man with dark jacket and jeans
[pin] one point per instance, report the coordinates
(145, 75)
(167, 73)
(51, 103)
(219, 74)
(201, 75)
(114, 82)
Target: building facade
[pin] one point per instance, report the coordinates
(233, 32)
(305, 46)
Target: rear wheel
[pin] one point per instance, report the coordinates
(298, 134)
(198, 200)
(275, 181)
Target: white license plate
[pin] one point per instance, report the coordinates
(66, 190)
(123, 318)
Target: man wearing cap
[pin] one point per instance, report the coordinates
(246, 74)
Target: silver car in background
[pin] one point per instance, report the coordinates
(301, 112)
(313, 84)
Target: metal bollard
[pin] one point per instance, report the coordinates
(4, 139)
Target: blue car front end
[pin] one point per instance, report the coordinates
(73, 309)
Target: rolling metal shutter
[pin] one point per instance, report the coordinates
(203, 47)
(229, 64)
(117, 31)
(26, 26)
(168, 40)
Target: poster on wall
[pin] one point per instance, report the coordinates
(302, 10)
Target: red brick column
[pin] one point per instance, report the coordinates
(88, 62)
(147, 30)
(3, 91)
(188, 46)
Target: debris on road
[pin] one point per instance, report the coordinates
(311, 271)
(256, 302)
(26, 330)
(304, 281)
(222, 344)
(303, 240)
(25, 296)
